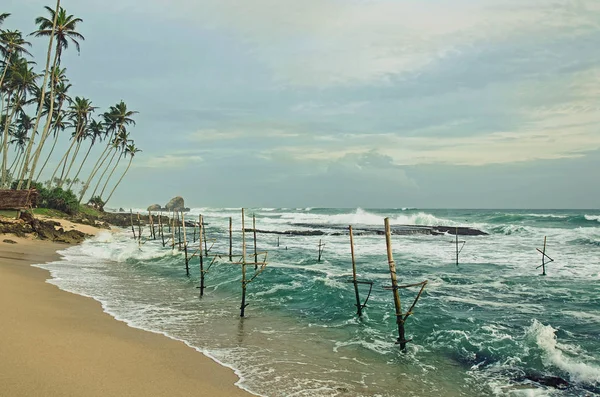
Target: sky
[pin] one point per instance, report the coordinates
(330, 103)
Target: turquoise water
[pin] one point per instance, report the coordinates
(490, 326)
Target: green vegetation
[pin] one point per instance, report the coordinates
(34, 113)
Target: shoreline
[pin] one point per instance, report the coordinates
(57, 343)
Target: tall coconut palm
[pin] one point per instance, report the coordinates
(116, 120)
(20, 136)
(124, 141)
(3, 17)
(12, 46)
(58, 123)
(94, 132)
(79, 111)
(42, 96)
(131, 150)
(63, 27)
(22, 81)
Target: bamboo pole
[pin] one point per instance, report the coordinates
(201, 257)
(243, 305)
(544, 258)
(161, 229)
(321, 247)
(139, 228)
(194, 235)
(178, 232)
(399, 319)
(277, 241)
(132, 228)
(151, 220)
(254, 232)
(456, 246)
(187, 262)
(205, 241)
(172, 227)
(358, 304)
(230, 239)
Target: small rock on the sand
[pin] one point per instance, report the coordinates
(9, 241)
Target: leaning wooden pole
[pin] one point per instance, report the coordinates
(243, 305)
(132, 227)
(201, 257)
(172, 227)
(178, 232)
(544, 258)
(139, 228)
(151, 220)
(254, 232)
(399, 318)
(358, 304)
(185, 250)
(230, 239)
(456, 232)
(161, 229)
(205, 241)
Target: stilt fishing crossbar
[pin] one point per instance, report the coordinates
(544, 256)
(356, 282)
(400, 317)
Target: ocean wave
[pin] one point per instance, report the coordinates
(544, 337)
(592, 217)
(362, 217)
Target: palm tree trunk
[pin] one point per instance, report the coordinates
(15, 161)
(82, 163)
(63, 159)
(49, 155)
(62, 179)
(120, 179)
(110, 176)
(46, 130)
(6, 65)
(104, 173)
(95, 169)
(5, 142)
(42, 96)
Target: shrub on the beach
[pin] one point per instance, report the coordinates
(59, 199)
(97, 203)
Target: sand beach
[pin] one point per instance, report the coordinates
(55, 343)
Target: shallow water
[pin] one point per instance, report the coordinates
(488, 326)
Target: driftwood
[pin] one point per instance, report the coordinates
(18, 199)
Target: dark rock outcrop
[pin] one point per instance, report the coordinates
(175, 204)
(155, 207)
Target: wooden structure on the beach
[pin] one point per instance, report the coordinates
(456, 242)
(18, 199)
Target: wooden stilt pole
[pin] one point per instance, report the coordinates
(151, 220)
(230, 239)
(139, 229)
(358, 304)
(201, 257)
(205, 241)
(187, 263)
(132, 228)
(254, 232)
(399, 318)
(161, 229)
(321, 247)
(169, 223)
(172, 227)
(277, 241)
(243, 305)
(179, 231)
(456, 246)
(194, 235)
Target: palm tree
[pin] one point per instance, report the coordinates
(42, 95)
(20, 136)
(58, 118)
(21, 82)
(131, 150)
(94, 131)
(115, 120)
(124, 140)
(63, 27)
(12, 46)
(79, 111)
(3, 17)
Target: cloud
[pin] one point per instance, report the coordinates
(180, 159)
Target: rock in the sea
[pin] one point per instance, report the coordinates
(155, 207)
(176, 204)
